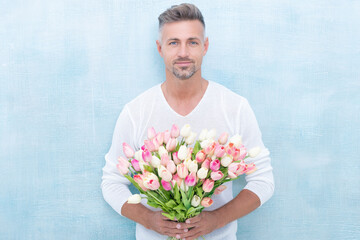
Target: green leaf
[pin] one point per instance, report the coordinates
(180, 208)
(148, 168)
(176, 194)
(185, 199)
(171, 204)
(170, 216)
(197, 147)
(190, 193)
(199, 192)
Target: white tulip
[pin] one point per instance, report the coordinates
(203, 134)
(236, 140)
(134, 199)
(185, 131)
(187, 163)
(225, 161)
(193, 166)
(138, 155)
(202, 173)
(183, 152)
(211, 134)
(195, 201)
(183, 186)
(205, 143)
(155, 162)
(162, 151)
(254, 152)
(191, 138)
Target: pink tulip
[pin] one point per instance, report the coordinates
(215, 165)
(207, 202)
(219, 151)
(152, 184)
(146, 155)
(250, 168)
(166, 136)
(175, 131)
(182, 170)
(219, 189)
(243, 153)
(156, 144)
(175, 158)
(230, 148)
(200, 156)
(151, 133)
(143, 147)
(236, 169)
(171, 144)
(208, 185)
(160, 138)
(123, 166)
(171, 166)
(139, 180)
(217, 175)
(151, 181)
(236, 154)
(190, 179)
(177, 179)
(164, 159)
(149, 145)
(206, 163)
(210, 149)
(136, 165)
(166, 185)
(223, 138)
(128, 151)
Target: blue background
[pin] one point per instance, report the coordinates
(68, 67)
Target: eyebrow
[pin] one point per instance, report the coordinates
(177, 39)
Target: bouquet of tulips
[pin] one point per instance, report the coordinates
(180, 175)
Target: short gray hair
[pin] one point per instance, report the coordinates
(184, 11)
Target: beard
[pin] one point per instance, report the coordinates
(184, 72)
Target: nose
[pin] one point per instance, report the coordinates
(183, 51)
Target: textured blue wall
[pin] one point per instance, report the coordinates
(68, 67)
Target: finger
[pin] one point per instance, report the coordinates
(174, 225)
(194, 219)
(191, 234)
(175, 233)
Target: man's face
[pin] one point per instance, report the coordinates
(183, 47)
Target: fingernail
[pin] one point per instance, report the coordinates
(187, 221)
(178, 226)
(177, 236)
(186, 230)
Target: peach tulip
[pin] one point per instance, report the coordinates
(128, 151)
(182, 170)
(123, 165)
(223, 138)
(175, 131)
(208, 185)
(151, 133)
(219, 189)
(217, 175)
(207, 202)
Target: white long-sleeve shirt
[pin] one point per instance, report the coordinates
(219, 108)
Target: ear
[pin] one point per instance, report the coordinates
(206, 46)
(158, 44)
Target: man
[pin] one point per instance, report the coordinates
(185, 97)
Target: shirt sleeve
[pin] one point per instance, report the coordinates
(115, 187)
(260, 182)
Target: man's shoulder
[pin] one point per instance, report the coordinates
(145, 97)
(227, 94)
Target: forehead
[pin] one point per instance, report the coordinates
(183, 30)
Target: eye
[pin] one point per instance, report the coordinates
(172, 43)
(193, 43)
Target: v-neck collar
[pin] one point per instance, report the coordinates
(162, 97)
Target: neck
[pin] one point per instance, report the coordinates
(184, 89)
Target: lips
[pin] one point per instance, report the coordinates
(185, 63)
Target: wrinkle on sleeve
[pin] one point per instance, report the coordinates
(260, 182)
(115, 187)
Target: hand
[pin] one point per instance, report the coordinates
(202, 224)
(163, 225)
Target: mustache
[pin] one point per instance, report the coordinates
(183, 60)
